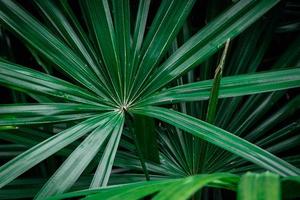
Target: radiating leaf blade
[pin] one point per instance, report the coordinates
(78, 42)
(102, 26)
(221, 138)
(24, 114)
(231, 86)
(103, 171)
(38, 36)
(74, 165)
(32, 81)
(41, 151)
(168, 21)
(208, 40)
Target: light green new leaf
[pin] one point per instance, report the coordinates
(134, 191)
(188, 186)
(264, 186)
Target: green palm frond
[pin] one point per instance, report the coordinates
(111, 63)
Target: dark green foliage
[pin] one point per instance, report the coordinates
(124, 100)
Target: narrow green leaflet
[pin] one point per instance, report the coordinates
(212, 106)
(43, 150)
(231, 86)
(77, 161)
(78, 28)
(102, 24)
(103, 171)
(264, 186)
(168, 21)
(79, 44)
(214, 96)
(288, 109)
(29, 80)
(121, 15)
(39, 119)
(47, 44)
(23, 114)
(138, 36)
(208, 40)
(221, 138)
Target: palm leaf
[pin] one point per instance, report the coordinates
(85, 152)
(78, 42)
(229, 87)
(106, 40)
(103, 171)
(169, 19)
(28, 80)
(24, 114)
(119, 60)
(47, 44)
(221, 138)
(139, 190)
(207, 41)
(41, 151)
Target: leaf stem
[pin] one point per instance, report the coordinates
(129, 119)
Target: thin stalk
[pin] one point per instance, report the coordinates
(130, 119)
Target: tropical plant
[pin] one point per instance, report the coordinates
(122, 91)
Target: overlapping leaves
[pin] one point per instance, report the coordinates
(111, 76)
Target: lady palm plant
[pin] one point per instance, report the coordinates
(137, 103)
